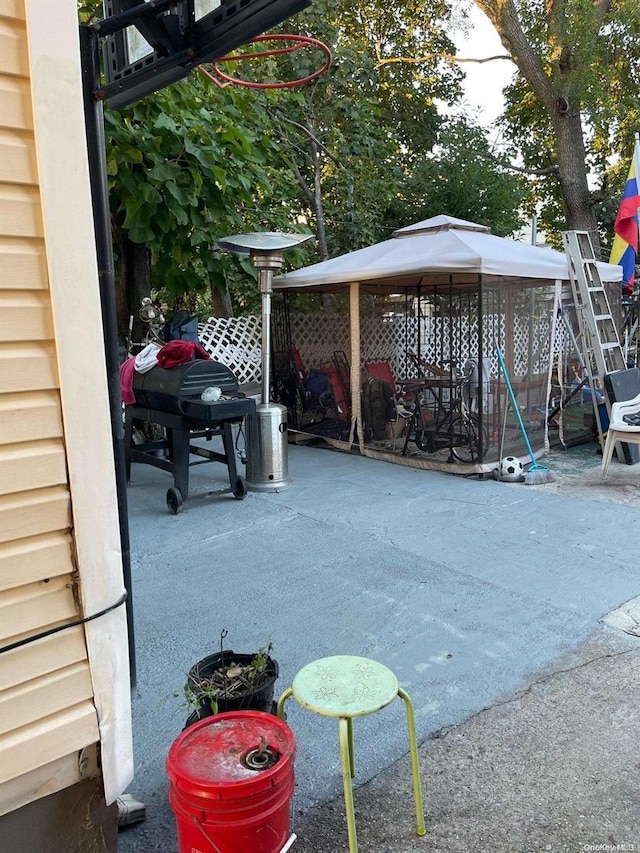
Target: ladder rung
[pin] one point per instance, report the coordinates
(610, 345)
(599, 317)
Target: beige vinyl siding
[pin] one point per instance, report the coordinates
(35, 661)
(47, 714)
(23, 608)
(33, 416)
(22, 265)
(17, 158)
(60, 686)
(25, 314)
(20, 214)
(12, 9)
(15, 103)
(32, 465)
(29, 747)
(27, 366)
(47, 779)
(13, 44)
(35, 558)
(31, 513)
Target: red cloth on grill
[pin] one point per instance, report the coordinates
(126, 381)
(176, 353)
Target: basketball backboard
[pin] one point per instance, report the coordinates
(148, 45)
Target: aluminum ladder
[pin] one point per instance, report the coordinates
(600, 344)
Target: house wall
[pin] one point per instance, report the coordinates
(46, 707)
(73, 820)
(63, 698)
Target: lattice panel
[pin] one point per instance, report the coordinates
(384, 339)
(318, 336)
(235, 342)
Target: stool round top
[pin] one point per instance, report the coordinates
(344, 686)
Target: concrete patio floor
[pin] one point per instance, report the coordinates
(471, 591)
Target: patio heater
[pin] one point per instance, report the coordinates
(267, 457)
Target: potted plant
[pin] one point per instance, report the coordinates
(231, 681)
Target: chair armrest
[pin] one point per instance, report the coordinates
(435, 369)
(624, 407)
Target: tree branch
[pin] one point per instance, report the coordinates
(550, 170)
(448, 57)
(503, 15)
(304, 186)
(602, 9)
(313, 139)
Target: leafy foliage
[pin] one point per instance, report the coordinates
(465, 179)
(185, 170)
(351, 156)
(573, 107)
(350, 136)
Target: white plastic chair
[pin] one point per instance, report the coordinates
(620, 430)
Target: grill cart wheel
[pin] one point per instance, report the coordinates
(174, 500)
(240, 491)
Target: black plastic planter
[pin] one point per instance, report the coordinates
(257, 699)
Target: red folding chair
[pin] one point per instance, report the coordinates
(381, 370)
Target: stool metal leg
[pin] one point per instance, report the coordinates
(415, 767)
(352, 754)
(281, 702)
(346, 781)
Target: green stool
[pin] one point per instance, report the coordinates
(345, 687)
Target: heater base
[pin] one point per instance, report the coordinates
(267, 449)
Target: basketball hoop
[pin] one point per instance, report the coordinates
(293, 43)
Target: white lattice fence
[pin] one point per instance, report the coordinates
(318, 336)
(442, 338)
(383, 339)
(235, 342)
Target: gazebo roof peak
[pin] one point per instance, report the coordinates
(442, 222)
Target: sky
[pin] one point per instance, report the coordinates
(484, 83)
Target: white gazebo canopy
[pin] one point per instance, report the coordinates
(439, 249)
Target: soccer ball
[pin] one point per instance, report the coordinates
(511, 469)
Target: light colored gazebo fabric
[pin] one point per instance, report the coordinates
(438, 246)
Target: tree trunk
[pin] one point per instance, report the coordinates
(133, 280)
(318, 208)
(572, 173)
(557, 89)
(221, 301)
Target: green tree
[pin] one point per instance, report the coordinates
(186, 166)
(350, 136)
(571, 106)
(349, 156)
(463, 177)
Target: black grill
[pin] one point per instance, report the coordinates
(171, 399)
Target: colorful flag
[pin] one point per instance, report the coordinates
(625, 244)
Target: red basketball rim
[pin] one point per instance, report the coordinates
(293, 42)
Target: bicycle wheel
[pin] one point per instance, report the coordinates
(465, 432)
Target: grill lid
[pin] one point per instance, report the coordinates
(168, 390)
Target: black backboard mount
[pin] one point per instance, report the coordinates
(147, 46)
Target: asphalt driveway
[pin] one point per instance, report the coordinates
(469, 590)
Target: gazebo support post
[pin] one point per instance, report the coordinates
(481, 389)
(354, 333)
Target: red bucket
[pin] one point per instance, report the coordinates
(231, 783)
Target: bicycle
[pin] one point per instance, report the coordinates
(452, 425)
